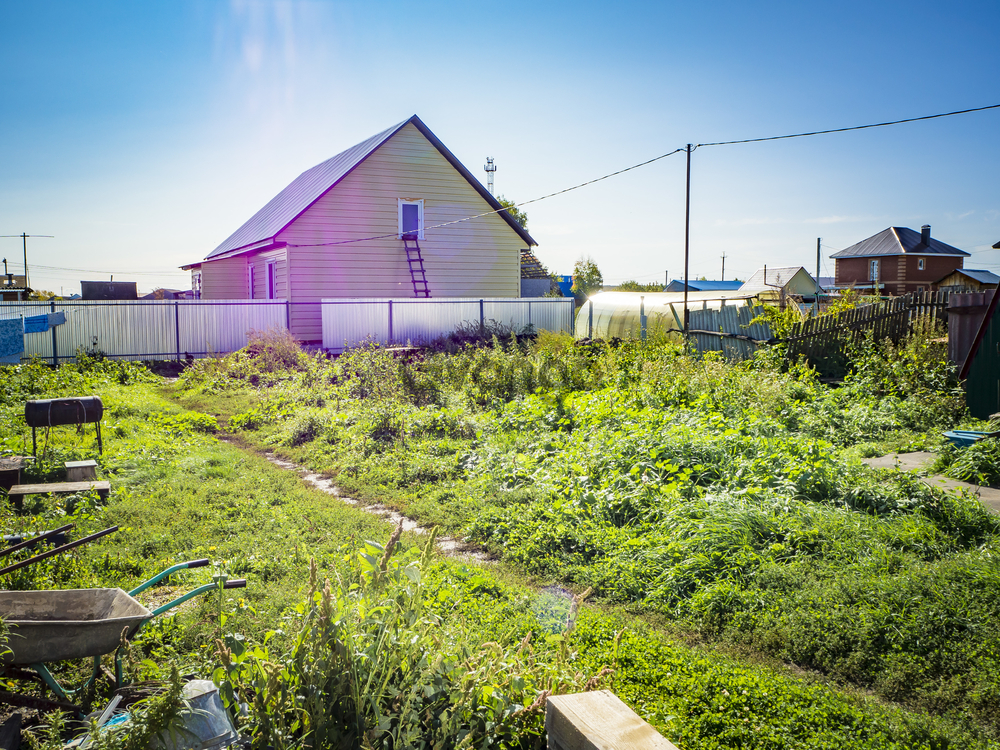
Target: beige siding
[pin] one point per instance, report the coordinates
(258, 262)
(480, 257)
(224, 279)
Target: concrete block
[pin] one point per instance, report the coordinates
(81, 471)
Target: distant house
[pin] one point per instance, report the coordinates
(968, 280)
(373, 221)
(535, 278)
(159, 294)
(13, 288)
(701, 285)
(897, 260)
(781, 282)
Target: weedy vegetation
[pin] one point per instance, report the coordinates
(751, 582)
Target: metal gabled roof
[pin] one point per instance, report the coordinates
(983, 277)
(312, 184)
(898, 241)
(770, 279)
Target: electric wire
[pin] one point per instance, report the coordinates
(854, 127)
(395, 235)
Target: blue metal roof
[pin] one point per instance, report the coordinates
(309, 186)
(898, 241)
(701, 285)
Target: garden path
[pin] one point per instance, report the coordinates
(449, 546)
(919, 460)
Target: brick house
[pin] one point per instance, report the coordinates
(897, 260)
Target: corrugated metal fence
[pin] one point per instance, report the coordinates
(729, 330)
(147, 329)
(348, 322)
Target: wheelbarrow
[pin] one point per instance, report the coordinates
(965, 438)
(51, 626)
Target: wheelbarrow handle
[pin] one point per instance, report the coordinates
(168, 572)
(213, 586)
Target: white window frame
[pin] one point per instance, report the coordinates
(251, 278)
(920, 264)
(271, 280)
(873, 270)
(420, 216)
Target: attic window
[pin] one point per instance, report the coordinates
(920, 264)
(411, 219)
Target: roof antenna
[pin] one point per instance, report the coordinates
(490, 169)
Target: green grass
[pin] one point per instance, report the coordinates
(706, 504)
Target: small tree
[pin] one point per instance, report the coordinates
(587, 279)
(514, 212)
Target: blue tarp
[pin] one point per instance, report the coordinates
(11, 340)
(36, 324)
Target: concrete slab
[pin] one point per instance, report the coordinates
(902, 461)
(988, 496)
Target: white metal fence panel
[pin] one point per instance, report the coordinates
(348, 322)
(207, 327)
(147, 329)
(417, 321)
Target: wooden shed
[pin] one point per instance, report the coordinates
(388, 217)
(968, 280)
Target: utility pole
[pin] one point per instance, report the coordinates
(24, 242)
(723, 267)
(687, 240)
(816, 303)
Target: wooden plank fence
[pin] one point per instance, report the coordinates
(893, 319)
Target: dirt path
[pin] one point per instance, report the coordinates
(918, 461)
(449, 546)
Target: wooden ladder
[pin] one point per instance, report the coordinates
(418, 274)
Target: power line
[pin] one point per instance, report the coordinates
(499, 210)
(123, 273)
(854, 127)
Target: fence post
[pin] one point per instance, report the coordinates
(642, 317)
(390, 323)
(288, 314)
(55, 350)
(177, 328)
(482, 318)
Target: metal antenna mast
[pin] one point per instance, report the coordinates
(490, 169)
(24, 241)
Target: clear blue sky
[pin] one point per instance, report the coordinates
(142, 134)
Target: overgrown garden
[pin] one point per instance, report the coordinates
(751, 582)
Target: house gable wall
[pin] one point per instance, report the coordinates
(899, 273)
(480, 257)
